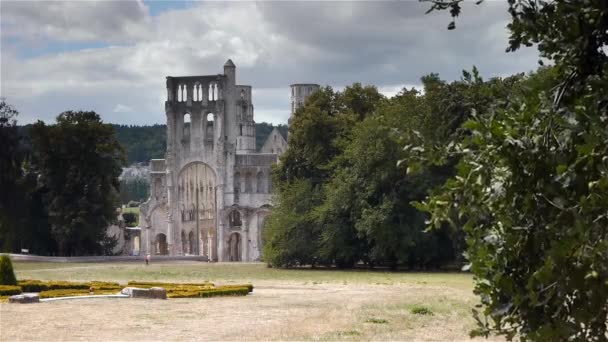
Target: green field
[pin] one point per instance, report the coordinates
(300, 304)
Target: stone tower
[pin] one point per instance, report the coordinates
(299, 93)
(211, 193)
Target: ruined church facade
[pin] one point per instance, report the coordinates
(211, 194)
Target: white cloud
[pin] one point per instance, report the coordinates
(111, 21)
(273, 45)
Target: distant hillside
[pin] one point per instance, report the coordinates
(142, 143)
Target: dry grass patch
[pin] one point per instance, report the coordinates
(286, 305)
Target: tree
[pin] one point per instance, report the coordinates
(291, 235)
(79, 160)
(532, 180)
(318, 134)
(11, 178)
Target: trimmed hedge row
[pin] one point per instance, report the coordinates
(29, 285)
(104, 285)
(214, 292)
(9, 290)
(72, 293)
(248, 286)
(147, 284)
(53, 289)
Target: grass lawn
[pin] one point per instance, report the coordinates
(285, 305)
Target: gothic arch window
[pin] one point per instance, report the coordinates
(197, 92)
(234, 219)
(182, 93)
(187, 125)
(209, 129)
(260, 182)
(213, 92)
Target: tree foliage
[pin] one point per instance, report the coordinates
(78, 161)
(532, 180)
(11, 176)
(344, 149)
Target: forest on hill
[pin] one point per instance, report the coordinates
(142, 143)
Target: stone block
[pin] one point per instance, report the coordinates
(158, 293)
(24, 298)
(152, 293)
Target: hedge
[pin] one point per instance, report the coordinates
(248, 286)
(73, 292)
(9, 290)
(218, 291)
(28, 285)
(104, 285)
(146, 284)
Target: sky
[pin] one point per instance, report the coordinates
(113, 56)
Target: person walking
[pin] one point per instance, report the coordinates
(147, 259)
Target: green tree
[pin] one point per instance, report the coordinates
(11, 174)
(532, 180)
(291, 235)
(319, 131)
(79, 160)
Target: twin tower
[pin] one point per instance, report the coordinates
(211, 194)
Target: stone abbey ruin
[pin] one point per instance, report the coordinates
(212, 192)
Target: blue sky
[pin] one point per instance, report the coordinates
(113, 56)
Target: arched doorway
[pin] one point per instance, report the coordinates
(197, 193)
(234, 247)
(161, 244)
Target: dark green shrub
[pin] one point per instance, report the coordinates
(130, 219)
(9, 290)
(32, 285)
(7, 275)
